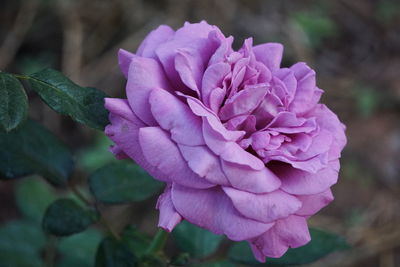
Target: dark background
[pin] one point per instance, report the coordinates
(354, 46)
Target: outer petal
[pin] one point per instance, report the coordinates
(169, 218)
(270, 54)
(124, 130)
(299, 182)
(213, 210)
(313, 203)
(173, 115)
(124, 61)
(162, 153)
(153, 40)
(245, 178)
(204, 163)
(263, 207)
(291, 232)
(145, 74)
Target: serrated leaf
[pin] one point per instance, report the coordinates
(115, 253)
(66, 217)
(33, 196)
(13, 102)
(122, 182)
(21, 244)
(79, 249)
(83, 104)
(32, 149)
(198, 242)
(322, 243)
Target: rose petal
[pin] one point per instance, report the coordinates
(145, 74)
(169, 218)
(124, 61)
(212, 79)
(123, 130)
(162, 153)
(176, 117)
(291, 232)
(266, 207)
(270, 54)
(213, 210)
(153, 40)
(313, 203)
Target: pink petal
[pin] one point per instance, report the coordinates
(291, 232)
(266, 207)
(313, 203)
(163, 154)
(213, 210)
(123, 131)
(169, 218)
(190, 67)
(195, 30)
(176, 117)
(153, 40)
(270, 54)
(124, 61)
(244, 103)
(212, 79)
(248, 179)
(145, 74)
(297, 182)
(204, 163)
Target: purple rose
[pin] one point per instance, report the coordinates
(243, 145)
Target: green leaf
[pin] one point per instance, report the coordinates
(79, 250)
(33, 149)
(33, 196)
(66, 217)
(135, 240)
(322, 243)
(114, 253)
(83, 104)
(21, 244)
(198, 242)
(122, 182)
(13, 102)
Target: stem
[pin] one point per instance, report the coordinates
(158, 242)
(22, 77)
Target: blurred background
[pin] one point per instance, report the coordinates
(354, 46)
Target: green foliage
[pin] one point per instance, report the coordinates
(215, 264)
(199, 243)
(21, 244)
(33, 149)
(322, 243)
(135, 240)
(66, 217)
(115, 253)
(96, 155)
(83, 104)
(33, 196)
(122, 182)
(13, 102)
(79, 250)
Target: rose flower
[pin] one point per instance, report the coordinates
(242, 143)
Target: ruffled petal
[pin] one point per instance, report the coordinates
(123, 130)
(145, 74)
(176, 117)
(204, 163)
(263, 207)
(163, 154)
(270, 54)
(247, 179)
(313, 203)
(291, 232)
(212, 79)
(169, 218)
(213, 210)
(153, 40)
(298, 182)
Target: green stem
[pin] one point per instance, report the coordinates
(22, 77)
(158, 242)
